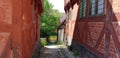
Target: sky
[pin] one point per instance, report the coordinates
(58, 4)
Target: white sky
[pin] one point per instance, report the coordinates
(58, 4)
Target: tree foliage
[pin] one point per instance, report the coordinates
(49, 20)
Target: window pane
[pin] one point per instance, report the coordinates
(93, 1)
(100, 2)
(100, 11)
(80, 11)
(84, 13)
(92, 7)
(93, 12)
(100, 6)
(82, 8)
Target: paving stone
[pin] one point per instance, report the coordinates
(57, 52)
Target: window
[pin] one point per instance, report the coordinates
(82, 9)
(96, 7)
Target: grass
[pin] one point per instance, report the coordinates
(59, 43)
(75, 53)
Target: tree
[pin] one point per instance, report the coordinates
(49, 20)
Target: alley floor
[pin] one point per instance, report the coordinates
(55, 51)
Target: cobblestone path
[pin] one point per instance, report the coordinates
(55, 52)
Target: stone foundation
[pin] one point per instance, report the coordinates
(83, 52)
(36, 53)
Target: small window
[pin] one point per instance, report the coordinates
(96, 7)
(82, 9)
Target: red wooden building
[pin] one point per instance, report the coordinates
(19, 27)
(93, 27)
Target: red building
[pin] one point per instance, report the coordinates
(19, 27)
(93, 27)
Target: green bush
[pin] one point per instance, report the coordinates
(43, 41)
(52, 38)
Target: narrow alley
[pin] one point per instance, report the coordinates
(59, 28)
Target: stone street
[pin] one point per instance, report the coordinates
(55, 51)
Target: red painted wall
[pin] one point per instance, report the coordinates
(99, 34)
(19, 31)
